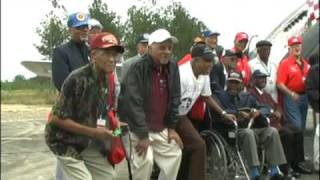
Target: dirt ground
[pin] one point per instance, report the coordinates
(25, 156)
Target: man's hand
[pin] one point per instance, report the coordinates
(230, 117)
(276, 114)
(172, 134)
(142, 147)
(244, 115)
(255, 113)
(103, 134)
(295, 97)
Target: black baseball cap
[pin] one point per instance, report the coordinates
(202, 51)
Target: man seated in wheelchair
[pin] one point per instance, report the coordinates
(249, 112)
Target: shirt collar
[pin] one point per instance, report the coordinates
(259, 91)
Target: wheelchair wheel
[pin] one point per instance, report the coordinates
(216, 155)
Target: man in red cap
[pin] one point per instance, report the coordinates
(291, 75)
(240, 43)
(77, 132)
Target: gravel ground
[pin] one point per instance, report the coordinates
(24, 155)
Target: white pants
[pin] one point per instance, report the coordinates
(167, 156)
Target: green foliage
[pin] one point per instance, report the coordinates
(52, 32)
(21, 83)
(109, 20)
(175, 18)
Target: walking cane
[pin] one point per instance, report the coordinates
(125, 128)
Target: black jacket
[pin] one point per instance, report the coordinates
(312, 87)
(217, 78)
(67, 58)
(136, 91)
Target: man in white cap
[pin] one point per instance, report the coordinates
(149, 102)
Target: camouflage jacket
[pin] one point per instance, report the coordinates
(80, 100)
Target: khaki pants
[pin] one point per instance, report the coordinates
(94, 166)
(167, 156)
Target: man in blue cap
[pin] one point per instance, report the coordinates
(70, 56)
(73, 54)
(211, 39)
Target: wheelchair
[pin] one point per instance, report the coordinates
(224, 157)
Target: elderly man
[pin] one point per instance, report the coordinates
(266, 66)
(291, 137)
(78, 128)
(142, 48)
(149, 102)
(246, 107)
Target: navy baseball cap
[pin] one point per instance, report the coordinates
(143, 38)
(258, 73)
(210, 33)
(78, 19)
(202, 51)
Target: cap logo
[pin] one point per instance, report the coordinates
(80, 16)
(109, 39)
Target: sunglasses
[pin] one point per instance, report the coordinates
(82, 27)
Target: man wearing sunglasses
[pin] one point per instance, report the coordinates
(74, 53)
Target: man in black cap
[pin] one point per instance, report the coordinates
(246, 107)
(266, 66)
(142, 48)
(221, 71)
(291, 137)
(195, 83)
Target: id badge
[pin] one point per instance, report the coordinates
(101, 122)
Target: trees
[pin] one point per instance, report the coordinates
(146, 18)
(109, 20)
(175, 18)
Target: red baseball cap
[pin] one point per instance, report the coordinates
(241, 36)
(294, 40)
(105, 40)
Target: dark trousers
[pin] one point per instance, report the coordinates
(292, 142)
(195, 148)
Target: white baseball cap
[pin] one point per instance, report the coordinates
(161, 35)
(94, 23)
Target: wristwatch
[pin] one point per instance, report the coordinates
(223, 113)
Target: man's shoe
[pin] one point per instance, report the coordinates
(277, 177)
(296, 174)
(301, 169)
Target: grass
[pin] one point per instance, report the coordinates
(28, 96)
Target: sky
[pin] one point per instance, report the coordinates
(20, 18)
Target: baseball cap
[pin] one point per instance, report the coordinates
(258, 73)
(234, 76)
(198, 40)
(105, 40)
(161, 35)
(241, 36)
(202, 51)
(143, 38)
(78, 19)
(94, 23)
(209, 33)
(295, 40)
(263, 43)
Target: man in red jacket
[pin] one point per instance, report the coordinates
(240, 43)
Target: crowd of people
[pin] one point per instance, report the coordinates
(157, 96)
